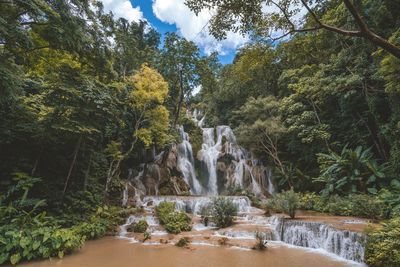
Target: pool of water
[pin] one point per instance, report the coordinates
(113, 252)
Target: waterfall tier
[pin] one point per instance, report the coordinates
(339, 244)
(193, 205)
(346, 244)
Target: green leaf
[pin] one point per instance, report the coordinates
(372, 190)
(15, 258)
(46, 236)
(3, 258)
(36, 245)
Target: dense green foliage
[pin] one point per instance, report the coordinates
(286, 202)
(139, 227)
(173, 221)
(319, 107)
(360, 205)
(27, 231)
(383, 247)
(222, 211)
(84, 97)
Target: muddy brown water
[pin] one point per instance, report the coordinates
(113, 252)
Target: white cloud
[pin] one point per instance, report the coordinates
(195, 28)
(123, 9)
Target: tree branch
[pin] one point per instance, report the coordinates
(363, 31)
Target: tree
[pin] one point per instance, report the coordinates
(260, 128)
(148, 91)
(178, 64)
(252, 17)
(135, 43)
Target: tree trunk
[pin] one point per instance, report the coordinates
(71, 167)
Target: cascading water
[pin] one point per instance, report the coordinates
(186, 163)
(225, 145)
(250, 221)
(209, 154)
(346, 244)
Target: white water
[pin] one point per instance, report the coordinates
(209, 154)
(193, 205)
(317, 236)
(346, 244)
(186, 163)
(225, 144)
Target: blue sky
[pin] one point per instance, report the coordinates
(173, 16)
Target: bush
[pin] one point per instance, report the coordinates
(140, 226)
(43, 242)
(183, 242)
(206, 214)
(351, 171)
(286, 202)
(223, 211)
(359, 205)
(311, 201)
(261, 242)
(146, 235)
(174, 222)
(383, 246)
(95, 229)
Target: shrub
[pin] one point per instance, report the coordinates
(183, 242)
(223, 211)
(383, 246)
(174, 222)
(287, 202)
(95, 229)
(206, 214)
(43, 242)
(146, 235)
(261, 242)
(311, 201)
(368, 207)
(140, 226)
(359, 205)
(350, 171)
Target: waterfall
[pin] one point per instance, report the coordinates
(213, 150)
(344, 243)
(193, 205)
(209, 155)
(125, 195)
(186, 163)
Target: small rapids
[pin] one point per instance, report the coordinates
(319, 237)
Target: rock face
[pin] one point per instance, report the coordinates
(225, 166)
(221, 166)
(162, 176)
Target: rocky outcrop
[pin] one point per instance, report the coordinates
(161, 176)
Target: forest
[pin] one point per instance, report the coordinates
(87, 98)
